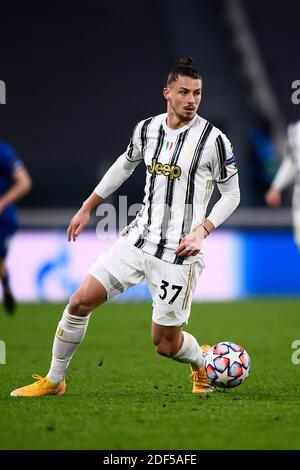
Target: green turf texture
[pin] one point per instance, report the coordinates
(122, 395)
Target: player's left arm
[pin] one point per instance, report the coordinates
(191, 244)
(226, 176)
(226, 205)
(21, 185)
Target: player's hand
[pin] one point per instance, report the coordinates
(78, 223)
(191, 244)
(273, 198)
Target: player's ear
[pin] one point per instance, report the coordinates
(166, 93)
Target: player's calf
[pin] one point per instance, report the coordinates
(90, 295)
(166, 349)
(167, 339)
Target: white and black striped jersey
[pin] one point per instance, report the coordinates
(289, 170)
(182, 167)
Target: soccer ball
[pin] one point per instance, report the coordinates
(227, 364)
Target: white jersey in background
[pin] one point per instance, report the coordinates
(289, 172)
(182, 167)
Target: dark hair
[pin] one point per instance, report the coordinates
(185, 70)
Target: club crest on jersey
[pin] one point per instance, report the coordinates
(151, 144)
(172, 171)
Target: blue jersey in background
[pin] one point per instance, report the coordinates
(9, 163)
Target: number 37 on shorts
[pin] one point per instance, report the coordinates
(173, 293)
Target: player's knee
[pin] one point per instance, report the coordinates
(80, 305)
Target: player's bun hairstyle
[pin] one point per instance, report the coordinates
(187, 61)
(184, 69)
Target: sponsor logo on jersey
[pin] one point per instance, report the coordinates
(171, 171)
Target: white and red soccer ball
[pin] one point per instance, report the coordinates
(227, 364)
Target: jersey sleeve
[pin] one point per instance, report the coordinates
(228, 202)
(225, 174)
(287, 171)
(223, 159)
(134, 150)
(293, 136)
(286, 174)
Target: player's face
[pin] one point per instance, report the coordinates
(184, 97)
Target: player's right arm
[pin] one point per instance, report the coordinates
(284, 177)
(21, 186)
(119, 172)
(286, 172)
(20, 179)
(81, 218)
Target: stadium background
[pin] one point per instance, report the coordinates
(78, 79)
(78, 76)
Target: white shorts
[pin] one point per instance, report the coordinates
(171, 285)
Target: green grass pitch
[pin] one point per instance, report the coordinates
(122, 395)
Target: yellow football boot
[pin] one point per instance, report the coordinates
(41, 387)
(201, 383)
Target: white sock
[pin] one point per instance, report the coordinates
(190, 352)
(69, 334)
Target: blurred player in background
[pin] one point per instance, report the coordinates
(15, 182)
(288, 173)
(184, 156)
